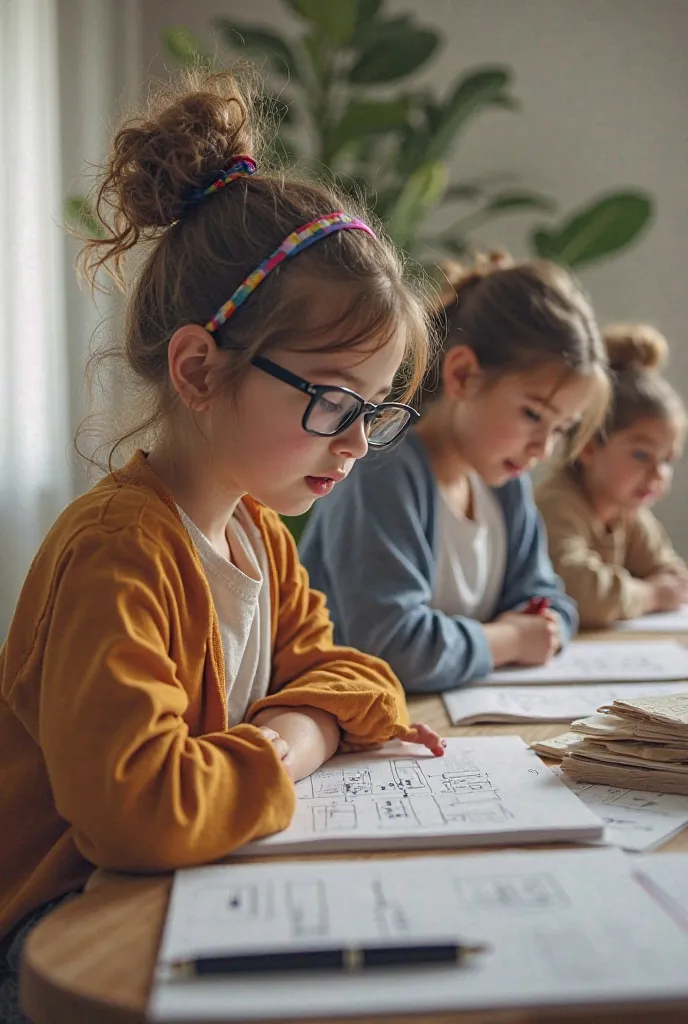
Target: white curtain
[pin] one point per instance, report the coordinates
(34, 403)
(65, 66)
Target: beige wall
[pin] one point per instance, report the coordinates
(604, 87)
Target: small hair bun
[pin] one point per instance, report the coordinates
(178, 146)
(456, 279)
(635, 347)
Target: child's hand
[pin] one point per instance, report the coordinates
(536, 637)
(281, 746)
(427, 737)
(669, 590)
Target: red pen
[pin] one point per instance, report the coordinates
(536, 606)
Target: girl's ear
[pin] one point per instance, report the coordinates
(588, 452)
(192, 359)
(460, 372)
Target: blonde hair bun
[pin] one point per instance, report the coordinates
(456, 279)
(635, 347)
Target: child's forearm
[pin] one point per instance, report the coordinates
(313, 736)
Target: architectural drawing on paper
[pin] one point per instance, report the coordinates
(403, 793)
(306, 904)
(539, 891)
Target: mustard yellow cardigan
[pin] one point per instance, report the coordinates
(114, 746)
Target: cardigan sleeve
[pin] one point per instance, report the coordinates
(648, 548)
(604, 592)
(529, 571)
(140, 793)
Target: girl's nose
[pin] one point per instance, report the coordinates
(353, 442)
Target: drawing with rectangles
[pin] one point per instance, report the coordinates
(482, 791)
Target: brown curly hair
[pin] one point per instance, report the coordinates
(190, 258)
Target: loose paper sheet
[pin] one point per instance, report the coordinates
(543, 703)
(567, 927)
(633, 820)
(590, 661)
(485, 790)
(666, 878)
(658, 622)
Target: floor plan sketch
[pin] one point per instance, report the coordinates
(402, 793)
(306, 904)
(481, 789)
(511, 892)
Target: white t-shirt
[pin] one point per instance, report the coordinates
(241, 594)
(471, 555)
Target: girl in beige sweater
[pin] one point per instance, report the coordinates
(612, 553)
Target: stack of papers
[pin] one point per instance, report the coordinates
(639, 743)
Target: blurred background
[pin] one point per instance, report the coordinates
(546, 127)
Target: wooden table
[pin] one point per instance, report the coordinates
(91, 961)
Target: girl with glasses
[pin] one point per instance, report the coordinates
(169, 674)
(612, 553)
(430, 555)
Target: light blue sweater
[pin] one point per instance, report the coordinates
(371, 547)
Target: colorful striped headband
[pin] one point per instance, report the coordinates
(293, 244)
(243, 167)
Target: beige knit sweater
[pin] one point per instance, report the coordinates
(600, 565)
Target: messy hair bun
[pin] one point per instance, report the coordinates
(637, 353)
(184, 138)
(635, 347)
(457, 279)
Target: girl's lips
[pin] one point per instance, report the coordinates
(320, 485)
(512, 468)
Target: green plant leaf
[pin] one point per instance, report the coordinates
(598, 230)
(463, 190)
(519, 199)
(367, 117)
(421, 192)
(472, 93)
(259, 42)
(393, 50)
(367, 10)
(185, 48)
(335, 19)
(80, 217)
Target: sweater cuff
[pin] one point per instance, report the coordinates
(366, 716)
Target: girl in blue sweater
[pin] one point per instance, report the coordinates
(429, 555)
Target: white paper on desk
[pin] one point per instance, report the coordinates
(484, 791)
(633, 820)
(657, 622)
(543, 703)
(564, 927)
(594, 661)
(666, 879)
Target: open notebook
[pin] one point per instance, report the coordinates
(543, 703)
(485, 790)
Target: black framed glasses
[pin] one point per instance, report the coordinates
(331, 410)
